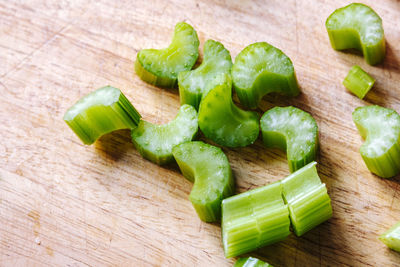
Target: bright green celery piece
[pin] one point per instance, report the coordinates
(251, 262)
(293, 130)
(254, 219)
(100, 112)
(358, 81)
(223, 122)
(391, 237)
(381, 129)
(357, 26)
(155, 142)
(196, 83)
(161, 67)
(209, 169)
(307, 198)
(259, 69)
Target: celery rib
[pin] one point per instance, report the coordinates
(251, 262)
(358, 81)
(100, 112)
(391, 237)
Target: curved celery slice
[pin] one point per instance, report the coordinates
(100, 112)
(293, 130)
(209, 168)
(161, 67)
(196, 83)
(391, 237)
(222, 121)
(155, 142)
(308, 201)
(358, 81)
(357, 26)
(254, 219)
(259, 69)
(251, 262)
(381, 129)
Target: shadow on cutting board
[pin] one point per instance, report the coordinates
(114, 145)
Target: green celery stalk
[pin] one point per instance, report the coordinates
(391, 237)
(254, 219)
(380, 127)
(307, 199)
(251, 262)
(358, 81)
(100, 112)
(209, 169)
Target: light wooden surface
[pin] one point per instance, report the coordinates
(63, 203)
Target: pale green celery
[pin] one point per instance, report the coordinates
(357, 26)
(307, 198)
(155, 142)
(292, 130)
(251, 262)
(391, 237)
(195, 84)
(100, 112)
(161, 67)
(254, 219)
(209, 169)
(358, 81)
(380, 127)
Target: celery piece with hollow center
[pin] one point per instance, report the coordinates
(100, 112)
(357, 26)
(307, 199)
(254, 219)
(358, 81)
(380, 127)
(161, 67)
(196, 83)
(251, 262)
(259, 69)
(223, 122)
(391, 237)
(293, 130)
(209, 169)
(155, 142)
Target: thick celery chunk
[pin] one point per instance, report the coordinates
(259, 69)
(100, 112)
(251, 262)
(155, 142)
(358, 81)
(293, 130)
(161, 67)
(254, 219)
(223, 122)
(307, 198)
(391, 237)
(380, 127)
(209, 169)
(196, 83)
(357, 26)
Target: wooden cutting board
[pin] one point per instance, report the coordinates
(63, 203)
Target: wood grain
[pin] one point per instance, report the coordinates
(63, 203)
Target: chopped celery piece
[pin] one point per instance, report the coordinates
(358, 81)
(160, 67)
(380, 127)
(196, 83)
(293, 130)
(259, 69)
(308, 201)
(209, 168)
(357, 26)
(100, 112)
(254, 219)
(223, 122)
(251, 262)
(155, 142)
(391, 237)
